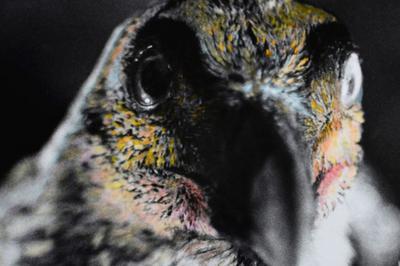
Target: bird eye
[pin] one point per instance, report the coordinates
(351, 83)
(152, 79)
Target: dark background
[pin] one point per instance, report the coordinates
(49, 47)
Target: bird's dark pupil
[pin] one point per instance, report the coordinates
(155, 79)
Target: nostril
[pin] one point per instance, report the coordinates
(236, 77)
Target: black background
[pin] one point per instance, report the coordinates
(49, 47)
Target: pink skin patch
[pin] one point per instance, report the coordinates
(160, 201)
(333, 185)
(329, 180)
(192, 205)
(174, 201)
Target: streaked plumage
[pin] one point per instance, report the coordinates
(210, 132)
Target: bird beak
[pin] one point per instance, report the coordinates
(282, 192)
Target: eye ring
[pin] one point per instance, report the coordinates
(151, 81)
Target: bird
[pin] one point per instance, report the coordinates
(210, 132)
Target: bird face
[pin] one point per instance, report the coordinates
(211, 90)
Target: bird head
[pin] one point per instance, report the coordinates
(225, 92)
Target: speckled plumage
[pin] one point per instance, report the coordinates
(254, 126)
